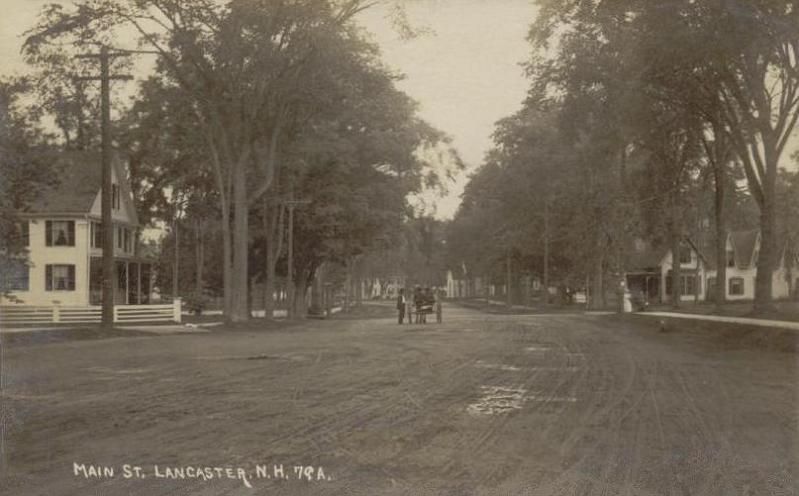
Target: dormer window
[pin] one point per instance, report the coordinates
(115, 197)
(685, 254)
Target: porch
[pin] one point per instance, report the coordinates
(648, 283)
(132, 281)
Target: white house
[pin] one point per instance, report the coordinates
(649, 271)
(742, 253)
(63, 233)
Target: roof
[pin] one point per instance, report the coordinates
(80, 179)
(78, 183)
(646, 258)
(743, 245)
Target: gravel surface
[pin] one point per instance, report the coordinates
(480, 405)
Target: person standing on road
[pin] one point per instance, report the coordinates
(409, 309)
(439, 297)
(401, 305)
(418, 301)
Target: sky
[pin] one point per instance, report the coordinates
(465, 74)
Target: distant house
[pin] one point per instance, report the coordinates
(459, 285)
(649, 270)
(742, 251)
(63, 233)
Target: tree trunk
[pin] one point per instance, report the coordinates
(273, 231)
(348, 287)
(358, 285)
(720, 293)
(597, 287)
(508, 278)
(199, 254)
(766, 259)
(239, 280)
(675, 270)
(317, 297)
(227, 269)
(300, 303)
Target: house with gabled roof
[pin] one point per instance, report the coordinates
(742, 251)
(63, 232)
(649, 271)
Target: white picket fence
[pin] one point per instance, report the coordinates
(57, 314)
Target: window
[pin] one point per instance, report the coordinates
(97, 235)
(60, 233)
(15, 276)
(730, 258)
(736, 286)
(59, 278)
(685, 254)
(119, 237)
(689, 285)
(115, 198)
(126, 232)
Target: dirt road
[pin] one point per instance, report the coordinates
(479, 405)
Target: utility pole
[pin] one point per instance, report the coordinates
(508, 279)
(179, 204)
(176, 265)
(291, 204)
(546, 251)
(105, 78)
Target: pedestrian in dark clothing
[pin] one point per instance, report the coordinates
(401, 305)
(418, 302)
(439, 296)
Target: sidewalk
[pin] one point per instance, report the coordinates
(781, 324)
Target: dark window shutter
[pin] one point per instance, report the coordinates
(71, 233)
(71, 279)
(48, 277)
(48, 233)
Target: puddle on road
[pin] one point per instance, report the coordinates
(541, 349)
(512, 368)
(497, 400)
(262, 356)
(538, 348)
(106, 370)
(555, 369)
(552, 399)
(496, 366)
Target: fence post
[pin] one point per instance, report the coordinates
(56, 313)
(176, 309)
(116, 313)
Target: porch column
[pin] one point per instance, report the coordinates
(127, 282)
